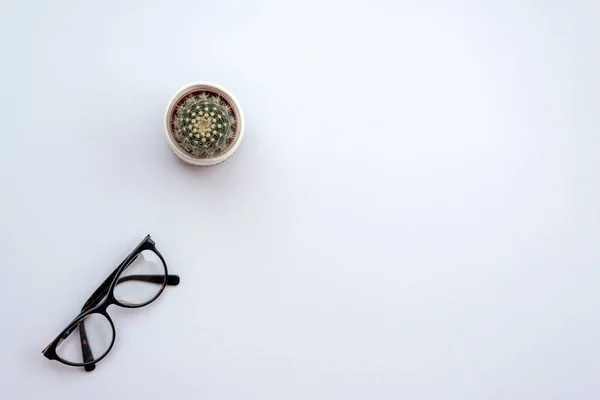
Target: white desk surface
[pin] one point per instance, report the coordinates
(413, 213)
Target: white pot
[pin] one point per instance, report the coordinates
(212, 87)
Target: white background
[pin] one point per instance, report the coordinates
(413, 213)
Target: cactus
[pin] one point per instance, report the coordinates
(204, 125)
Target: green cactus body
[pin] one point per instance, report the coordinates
(204, 124)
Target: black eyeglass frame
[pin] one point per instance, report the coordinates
(104, 297)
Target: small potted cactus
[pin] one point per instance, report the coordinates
(204, 124)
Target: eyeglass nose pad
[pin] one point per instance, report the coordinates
(90, 368)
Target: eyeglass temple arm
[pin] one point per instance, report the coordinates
(172, 280)
(86, 350)
(88, 356)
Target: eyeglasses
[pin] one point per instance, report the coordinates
(136, 282)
